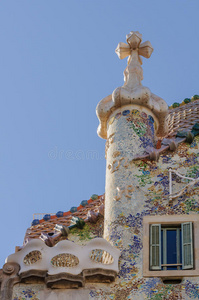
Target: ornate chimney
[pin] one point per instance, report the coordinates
(131, 120)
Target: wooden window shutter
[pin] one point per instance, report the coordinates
(187, 246)
(155, 247)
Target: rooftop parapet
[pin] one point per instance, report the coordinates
(133, 92)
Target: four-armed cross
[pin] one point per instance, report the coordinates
(134, 39)
(133, 73)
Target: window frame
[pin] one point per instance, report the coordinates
(179, 244)
(174, 220)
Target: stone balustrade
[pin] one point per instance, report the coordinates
(67, 264)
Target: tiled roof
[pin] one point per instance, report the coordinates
(183, 117)
(48, 226)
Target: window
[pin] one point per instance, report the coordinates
(171, 246)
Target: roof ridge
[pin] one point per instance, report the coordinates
(88, 211)
(184, 102)
(73, 209)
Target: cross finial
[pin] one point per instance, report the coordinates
(134, 39)
(133, 74)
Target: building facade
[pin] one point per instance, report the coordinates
(139, 240)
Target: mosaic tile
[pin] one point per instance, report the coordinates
(27, 291)
(124, 217)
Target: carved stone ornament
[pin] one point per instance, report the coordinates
(132, 92)
(65, 265)
(8, 277)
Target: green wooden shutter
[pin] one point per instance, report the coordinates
(187, 246)
(155, 247)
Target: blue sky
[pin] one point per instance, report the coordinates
(57, 61)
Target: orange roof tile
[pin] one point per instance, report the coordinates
(48, 226)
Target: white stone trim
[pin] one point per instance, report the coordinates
(82, 253)
(170, 219)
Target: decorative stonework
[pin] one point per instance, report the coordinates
(132, 92)
(8, 277)
(101, 256)
(32, 257)
(65, 260)
(66, 265)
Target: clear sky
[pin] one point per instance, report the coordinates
(57, 61)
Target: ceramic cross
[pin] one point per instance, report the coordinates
(134, 39)
(133, 73)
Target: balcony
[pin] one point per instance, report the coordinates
(67, 265)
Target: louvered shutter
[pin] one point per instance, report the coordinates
(187, 246)
(155, 247)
